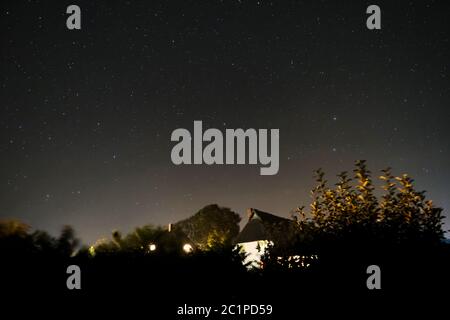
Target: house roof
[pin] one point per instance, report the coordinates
(260, 226)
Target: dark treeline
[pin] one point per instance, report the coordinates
(346, 228)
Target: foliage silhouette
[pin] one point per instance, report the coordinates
(348, 227)
(211, 227)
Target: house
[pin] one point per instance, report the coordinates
(262, 230)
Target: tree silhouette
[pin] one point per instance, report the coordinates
(401, 214)
(67, 242)
(212, 226)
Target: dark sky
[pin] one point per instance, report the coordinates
(86, 116)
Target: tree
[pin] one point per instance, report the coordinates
(14, 238)
(136, 242)
(141, 237)
(67, 242)
(211, 227)
(13, 228)
(351, 207)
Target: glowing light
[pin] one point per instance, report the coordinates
(254, 250)
(152, 247)
(187, 248)
(92, 251)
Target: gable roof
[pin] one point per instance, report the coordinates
(260, 226)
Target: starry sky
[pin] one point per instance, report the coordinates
(86, 115)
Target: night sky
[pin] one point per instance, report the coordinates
(86, 116)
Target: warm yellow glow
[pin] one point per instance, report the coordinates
(92, 250)
(187, 248)
(152, 247)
